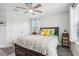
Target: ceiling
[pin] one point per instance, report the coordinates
(55, 7)
(47, 8)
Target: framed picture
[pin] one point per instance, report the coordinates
(2, 22)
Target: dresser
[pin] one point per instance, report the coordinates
(65, 39)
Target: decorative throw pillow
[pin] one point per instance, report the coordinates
(51, 32)
(48, 32)
(45, 32)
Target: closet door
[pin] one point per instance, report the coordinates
(3, 41)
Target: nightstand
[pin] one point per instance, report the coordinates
(34, 33)
(65, 39)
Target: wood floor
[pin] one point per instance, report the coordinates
(62, 51)
(9, 51)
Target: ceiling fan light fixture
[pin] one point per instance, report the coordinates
(31, 11)
(30, 8)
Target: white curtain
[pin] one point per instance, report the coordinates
(74, 16)
(74, 23)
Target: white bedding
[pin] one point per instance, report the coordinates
(46, 45)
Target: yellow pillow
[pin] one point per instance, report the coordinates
(45, 32)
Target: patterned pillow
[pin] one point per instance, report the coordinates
(51, 32)
(44, 32)
(48, 32)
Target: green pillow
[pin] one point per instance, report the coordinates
(52, 32)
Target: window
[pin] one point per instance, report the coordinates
(34, 26)
(34, 23)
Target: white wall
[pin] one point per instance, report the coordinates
(2, 36)
(17, 25)
(60, 20)
(3, 41)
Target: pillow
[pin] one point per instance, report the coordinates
(48, 32)
(51, 32)
(45, 32)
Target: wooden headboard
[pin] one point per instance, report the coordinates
(56, 29)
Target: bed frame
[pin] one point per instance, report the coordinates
(21, 51)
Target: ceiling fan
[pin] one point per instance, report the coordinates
(30, 8)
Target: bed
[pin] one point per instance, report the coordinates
(37, 45)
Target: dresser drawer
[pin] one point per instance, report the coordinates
(65, 39)
(65, 42)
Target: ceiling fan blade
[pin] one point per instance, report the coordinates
(27, 4)
(37, 11)
(30, 3)
(21, 7)
(15, 10)
(37, 6)
(25, 12)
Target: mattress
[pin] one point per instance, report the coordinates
(47, 45)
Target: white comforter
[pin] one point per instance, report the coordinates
(46, 45)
